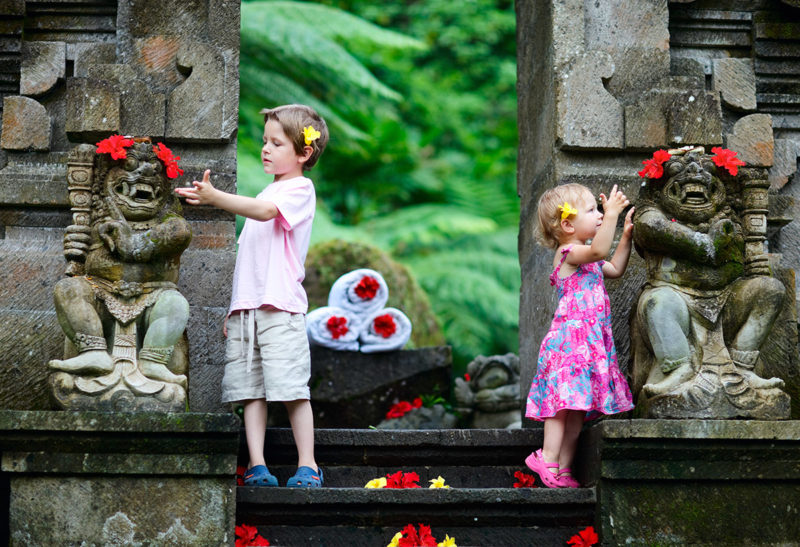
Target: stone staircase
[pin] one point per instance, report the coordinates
(481, 507)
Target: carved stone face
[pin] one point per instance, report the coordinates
(692, 192)
(137, 184)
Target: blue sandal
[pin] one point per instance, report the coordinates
(259, 475)
(305, 478)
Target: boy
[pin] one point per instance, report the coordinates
(267, 354)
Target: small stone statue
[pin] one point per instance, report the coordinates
(709, 302)
(120, 307)
(489, 395)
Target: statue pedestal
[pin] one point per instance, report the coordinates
(119, 478)
(698, 482)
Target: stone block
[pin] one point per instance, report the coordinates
(206, 359)
(195, 108)
(26, 125)
(646, 121)
(695, 117)
(86, 55)
(141, 111)
(43, 65)
(784, 163)
(93, 109)
(13, 8)
(753, 141)
(588, 115)
(735, 81)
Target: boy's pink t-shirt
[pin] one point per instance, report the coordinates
(270, 261)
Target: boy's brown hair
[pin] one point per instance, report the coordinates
(293, 118)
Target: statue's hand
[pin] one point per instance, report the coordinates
(77, 238)
(722, 234)
(113, 233)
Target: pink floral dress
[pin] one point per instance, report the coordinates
(577, 367)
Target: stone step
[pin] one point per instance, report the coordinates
(359, 516)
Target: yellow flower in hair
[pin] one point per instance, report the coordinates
(310, 134)
(567, 210)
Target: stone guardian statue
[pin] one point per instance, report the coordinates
(709, 302)
(119, 307)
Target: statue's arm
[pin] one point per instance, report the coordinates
(169, 238)
(653, 231)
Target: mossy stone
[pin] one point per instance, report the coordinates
(329, 260)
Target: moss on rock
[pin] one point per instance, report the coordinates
(329, 260)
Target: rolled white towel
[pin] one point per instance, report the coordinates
(386, 330)
(333, 328)
(362, 293)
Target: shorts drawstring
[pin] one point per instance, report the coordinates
(251, 335)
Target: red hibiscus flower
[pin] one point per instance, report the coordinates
(240, 471)
(467, 377)
(653, 168)
(524, 480)
(337, 326)
(402, 480)
(584, 538)
(726, 159)
(170, 161)
(384, 325)
(416, 403)
(115, 145)
(412, 539)
(247, 536)
(398, 410)
(367, 288)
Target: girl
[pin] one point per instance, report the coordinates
(577, 374)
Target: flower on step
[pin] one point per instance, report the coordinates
(384, 325)
(337, 326)
(448, 542)
(398, 410)
(247, 536)
(653, 168)
(170, 161)
(396, 540)
(367, 288)
(584, 538)
(402, 480)
(438, 482)
(726, 159)
(524, 480)
(240, 471)
(116, 146)
(411, 538)
(376, 483)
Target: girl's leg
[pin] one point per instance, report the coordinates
(573, 424)
(302, 420)
(255, 429)
(554, 429)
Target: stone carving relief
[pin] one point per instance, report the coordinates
(710, 301)
(119, 307)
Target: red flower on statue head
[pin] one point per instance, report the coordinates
(653, 168)
(384, 325)
(585, 538)
(170, 161)
(367, 288)
(115, 145)
(726, 159)
(337, 326)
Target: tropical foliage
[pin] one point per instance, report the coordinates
(420, 100)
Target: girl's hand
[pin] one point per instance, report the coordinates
(615, 203)
(202, 193)
(627, 229)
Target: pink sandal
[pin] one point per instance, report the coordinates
(567, 481)
(535, 461)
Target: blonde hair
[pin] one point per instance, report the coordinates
(293, 118)
(549, 232)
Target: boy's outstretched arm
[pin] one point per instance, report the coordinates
(203, 193)
(619, 262)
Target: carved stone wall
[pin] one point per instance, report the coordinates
(603, 84)
(75, 72)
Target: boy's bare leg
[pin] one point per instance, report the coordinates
(255, 429)
(302, 420)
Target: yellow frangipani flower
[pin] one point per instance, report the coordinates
(438, 482)
(310, 134)
(567, 210)
(396, 540)
(376, 483)
(448, 542)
